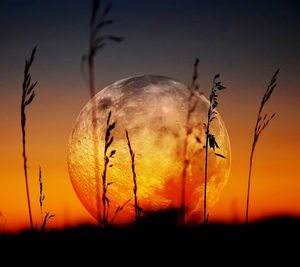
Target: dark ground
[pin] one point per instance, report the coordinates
(159, 238)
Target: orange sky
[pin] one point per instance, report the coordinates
(275, 184)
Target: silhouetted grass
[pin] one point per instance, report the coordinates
(119, 209)
(28, 95)
(157, 237)
(261, 123)
(42, 196)
(48, 216)
(98, 20)
(210, 139)
(108, 141)
(192, 103)
(135, 188)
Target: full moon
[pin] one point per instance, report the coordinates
(153, 109)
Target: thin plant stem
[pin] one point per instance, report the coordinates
(209, 137)
(94, 132)
(42, 196)
(119, 209)
(206, 162)
(261, 123)
(249, 182)
(191, 107)
(28, 95)
(98, 21)
(48, 215)
(135, 188)
(108, 141)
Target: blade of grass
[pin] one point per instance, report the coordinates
(135, 187)
(42, 196)
(98, 20)
(210, 138)
(108, 142)
(261, 123)
(28, 95)
(119, 209)
(192, 102)
(48, 216)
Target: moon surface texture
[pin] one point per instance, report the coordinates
(153, 109)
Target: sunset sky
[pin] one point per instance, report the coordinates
(244, 41)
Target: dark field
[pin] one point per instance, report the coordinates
(159, 237)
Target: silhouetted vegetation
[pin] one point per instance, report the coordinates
(192, 103)
(98, 20)
(135, 187)
(261, 123)
(108, 142)
(157, 237)
(210, 139)
(28, 95)
(119, 209)
(47, 216)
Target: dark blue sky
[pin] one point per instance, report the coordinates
(162, 36)
(245, 41)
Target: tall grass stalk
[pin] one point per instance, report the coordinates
(42, 196)
(98, 20)
(108, 142)
(209, 137)
(261, 123)
(48, 215)
(192, 103)
(28, 95)
(135, 187)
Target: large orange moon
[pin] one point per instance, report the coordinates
(153, 109)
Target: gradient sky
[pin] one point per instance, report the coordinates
(245, 41)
